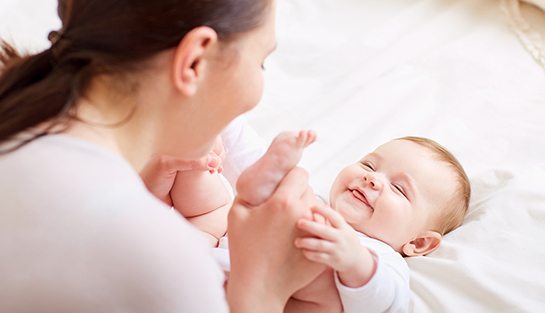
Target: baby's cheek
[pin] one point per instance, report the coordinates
(332, 198)
(335, 191)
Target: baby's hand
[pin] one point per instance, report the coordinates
(337, 245)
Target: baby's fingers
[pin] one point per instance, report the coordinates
(334, 217)
(318, 257)
(322, 231)
(314, 244)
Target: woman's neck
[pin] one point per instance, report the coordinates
(113, 120)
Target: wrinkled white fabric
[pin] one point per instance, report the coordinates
(243, 146)
(361, 73)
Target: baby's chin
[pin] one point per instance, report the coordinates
(382, 239)
(367, 232)
(359, 229)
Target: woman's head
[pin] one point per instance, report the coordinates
(128, 31)
(222, 80)
(116, 38)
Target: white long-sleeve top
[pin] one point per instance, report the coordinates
(243, 147)
(387, 291)
(79, 232)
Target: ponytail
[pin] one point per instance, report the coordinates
(32, 91)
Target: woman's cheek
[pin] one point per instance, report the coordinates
(255, 93)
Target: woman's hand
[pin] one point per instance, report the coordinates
(160, 172)
(219, 150)
(264, 260)
(336, 244)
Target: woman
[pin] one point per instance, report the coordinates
(125, 84)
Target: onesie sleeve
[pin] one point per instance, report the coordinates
(387, 291)
(243, 147)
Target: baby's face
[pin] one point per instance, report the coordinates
(392, 192)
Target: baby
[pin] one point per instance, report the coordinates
(203, 199)
(396, 202)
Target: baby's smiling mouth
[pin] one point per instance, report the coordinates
(361, 196)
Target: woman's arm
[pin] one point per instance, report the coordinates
(266, 267)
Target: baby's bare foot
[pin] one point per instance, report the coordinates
(258, 182)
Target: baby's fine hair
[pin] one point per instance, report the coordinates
(455, 209)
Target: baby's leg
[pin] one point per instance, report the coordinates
(320, 295)
(258, 182)
(212, 224)
(202, 198)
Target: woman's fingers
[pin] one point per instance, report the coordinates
(295, 183)
(165, 165)
(160, 172)
(219, 149)
(294, 189)
(217, 156)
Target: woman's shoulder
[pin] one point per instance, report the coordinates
(164, 258)
(65, 176)
(60, 157)
(102, 236)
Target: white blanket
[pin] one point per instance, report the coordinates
(361, 72)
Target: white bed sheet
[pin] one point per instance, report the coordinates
(361, 72)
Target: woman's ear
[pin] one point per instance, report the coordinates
(425, 243)
(189, 62)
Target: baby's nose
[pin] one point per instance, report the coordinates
(372, 180)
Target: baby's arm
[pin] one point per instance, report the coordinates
(337, 246)
(375, 281)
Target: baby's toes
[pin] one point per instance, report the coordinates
(306, 137)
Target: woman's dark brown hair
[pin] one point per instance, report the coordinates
(99, 37)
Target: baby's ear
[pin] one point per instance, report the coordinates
(425, 243)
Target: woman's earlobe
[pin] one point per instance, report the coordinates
(190, 59)
(425, 243)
